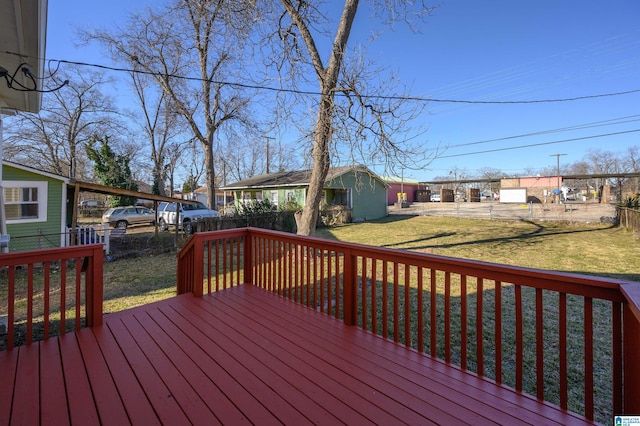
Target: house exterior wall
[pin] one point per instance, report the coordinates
(408, 188)
(44, 232)
(368, 195)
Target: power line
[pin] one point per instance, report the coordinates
(610, 122)
(314, 93)
(538, 144)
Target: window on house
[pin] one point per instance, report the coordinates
(290, 195)
(25, 201)
(342, 197)
(273, 197)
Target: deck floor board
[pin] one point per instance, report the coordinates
(245, 356)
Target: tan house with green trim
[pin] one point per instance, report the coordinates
(354, 187)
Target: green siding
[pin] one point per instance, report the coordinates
(368, 195)
(34, 235)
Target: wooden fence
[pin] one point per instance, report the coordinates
(628, 218)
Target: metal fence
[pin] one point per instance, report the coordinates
(493, 210)
(99, 234)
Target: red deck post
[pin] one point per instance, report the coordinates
(248, 257)
(631, 348)
(198, 263)
(95, 288)
(350, 303)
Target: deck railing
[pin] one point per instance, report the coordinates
(569, 339)
(50, 291)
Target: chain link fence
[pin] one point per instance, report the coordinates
(493, 210)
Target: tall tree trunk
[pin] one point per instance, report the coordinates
(210, 175)
(321, 162)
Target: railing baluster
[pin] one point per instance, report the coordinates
(434, 311)
(314, 302)
(498, 329)
(374, 297)
(238, 252)
(46, 297)
(385, 300)
(78, 303)
(338, 285)
(63, 297)
(396, 320)
(407, 304)
(588, 358)
(420, 319)
(562, 337)
(11, 318)
(463, 322)
(617, 358)
(217, 265)
(323, 301)
(29, 336)
(296, 273)
(519, 337)
(308, 274)
(479, 327)
(330, 254)
(363, 283)
(209, 266)
(539, 345)
(447, 316)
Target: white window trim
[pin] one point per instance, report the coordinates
(43, 198)
(272, 195)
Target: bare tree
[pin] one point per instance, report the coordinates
(632, 164)
(160, 124)
(344, 112)
(54, 139)
(494, 174)
(190, 48)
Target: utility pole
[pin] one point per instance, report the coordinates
(267, 138)
(558, 169)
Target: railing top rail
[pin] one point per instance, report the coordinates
(47, 255)
(632, 294)
(599, 287)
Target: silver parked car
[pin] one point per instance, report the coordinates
(121, 217)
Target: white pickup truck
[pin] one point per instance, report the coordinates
(189, 213)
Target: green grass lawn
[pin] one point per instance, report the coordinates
(593, 249)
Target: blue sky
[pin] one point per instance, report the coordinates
(501, 50)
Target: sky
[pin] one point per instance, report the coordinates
(501, 51)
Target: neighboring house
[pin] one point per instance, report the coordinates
(398, 185)
(200, 194)
(354, 187)
(35, 204)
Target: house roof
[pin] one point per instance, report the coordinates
(35, 171)
(23, 30)
(396, 179)
(94, 187)
(295, 178)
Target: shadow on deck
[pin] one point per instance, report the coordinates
(245, 355)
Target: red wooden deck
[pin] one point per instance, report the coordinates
(244, 355)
